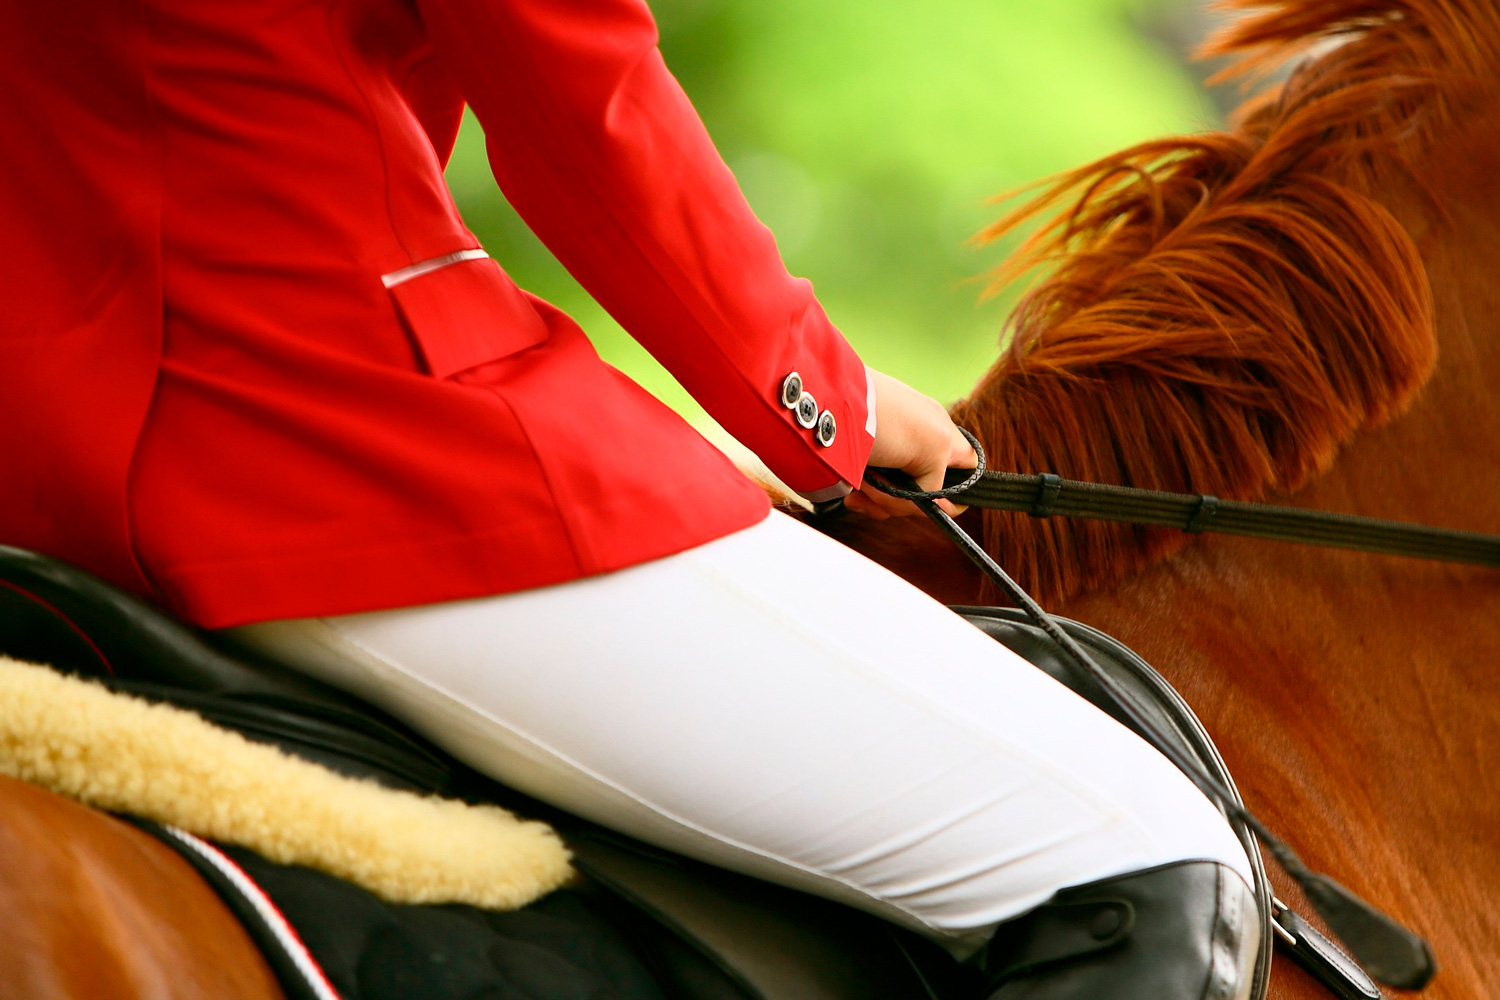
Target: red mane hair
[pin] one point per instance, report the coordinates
(1223, 311)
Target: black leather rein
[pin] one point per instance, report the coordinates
(1047, 495)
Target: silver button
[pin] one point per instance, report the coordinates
(828, 428)
(791, 391)
(807, 411)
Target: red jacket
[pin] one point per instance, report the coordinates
(234, 374)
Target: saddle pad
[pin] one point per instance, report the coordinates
(327, 939)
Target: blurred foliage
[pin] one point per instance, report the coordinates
(869, 137)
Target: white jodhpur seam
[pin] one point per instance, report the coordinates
(774, 703)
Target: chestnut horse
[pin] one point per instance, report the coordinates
(1303, 309)
(1300, 309)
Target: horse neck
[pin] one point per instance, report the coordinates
(1435, 464)
(1354, 695)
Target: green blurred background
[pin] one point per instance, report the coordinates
(870, 135)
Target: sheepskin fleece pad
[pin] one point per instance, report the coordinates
(117, 752)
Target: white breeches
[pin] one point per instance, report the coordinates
(775, 703)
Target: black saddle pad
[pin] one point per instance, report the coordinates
(326, 939)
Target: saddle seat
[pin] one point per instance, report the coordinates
(711, 934)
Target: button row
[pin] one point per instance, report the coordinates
(797, 399)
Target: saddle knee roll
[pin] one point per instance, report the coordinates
(1183, 931)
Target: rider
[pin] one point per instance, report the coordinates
(257, 369)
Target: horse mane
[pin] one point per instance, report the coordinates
(1221, 312)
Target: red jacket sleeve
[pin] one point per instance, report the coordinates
(600, 151)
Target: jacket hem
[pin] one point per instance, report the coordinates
(455, 567)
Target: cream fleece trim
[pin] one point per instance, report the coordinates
(117, 752)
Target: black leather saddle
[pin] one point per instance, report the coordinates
(704, 934)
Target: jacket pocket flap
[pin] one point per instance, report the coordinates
(465, 314)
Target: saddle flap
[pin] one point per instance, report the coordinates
(1061, 930)
(773, 943)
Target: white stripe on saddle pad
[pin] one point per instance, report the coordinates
(285, 935)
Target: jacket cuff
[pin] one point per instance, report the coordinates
(836, 491)
(842, 488)
(825, 405)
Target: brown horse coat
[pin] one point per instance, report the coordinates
(92, 907)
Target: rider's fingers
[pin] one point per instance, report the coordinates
(930, 475)
(866, 504)
(890, 506)
(917, 436)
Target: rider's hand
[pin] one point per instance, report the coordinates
(914, 434)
